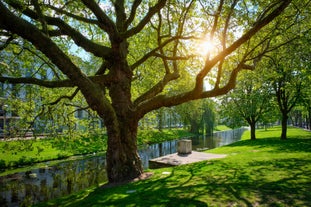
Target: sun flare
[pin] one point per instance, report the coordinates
(205, 47)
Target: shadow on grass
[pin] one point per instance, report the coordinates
(280, 182)
(278, 175)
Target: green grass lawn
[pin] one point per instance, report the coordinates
(264, 172)
(222, 128)
(27, 152)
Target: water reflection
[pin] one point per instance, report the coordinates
(198, 143)
(27, 188)
(218, 139)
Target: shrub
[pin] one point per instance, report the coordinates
(2, 164)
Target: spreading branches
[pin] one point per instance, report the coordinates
(26, 30)
(171, 24)
(153, 52)
(130, 19)
(236, 44)
(152, 11)
(170, 74)
(64, 29)
(197, 92)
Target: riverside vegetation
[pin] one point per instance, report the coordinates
(26, 152)
(263, 172)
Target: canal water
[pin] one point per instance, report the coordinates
(38, 185)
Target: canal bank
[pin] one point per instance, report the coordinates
(37, 185)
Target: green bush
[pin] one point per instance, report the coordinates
(26, 161)
(2, 164)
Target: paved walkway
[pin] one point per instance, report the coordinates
(181, 159)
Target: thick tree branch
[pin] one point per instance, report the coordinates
(35, 81)
(76, 17)
(169, 76)
(244, 38)
(223, 41)
(161, 49)
(102, 80)
(104, 21)
(130, 19)
(120, 15)
(216, 18)
(156, 89)
(168, 101)
(65, 29)
(40, 15)
(79, 39)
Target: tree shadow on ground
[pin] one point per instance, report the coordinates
(219, 184)
(279, 181)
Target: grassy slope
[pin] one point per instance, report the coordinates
(265, 172)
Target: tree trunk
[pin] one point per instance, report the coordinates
(284, 126)
(253, 130)
(309, 118)
(123, 161)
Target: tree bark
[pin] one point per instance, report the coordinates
(123, 161)
(253, 130)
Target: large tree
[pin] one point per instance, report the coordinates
(288, 72)
(136, 40)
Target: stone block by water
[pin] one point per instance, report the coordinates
(184, 146)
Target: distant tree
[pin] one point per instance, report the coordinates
(209, 117)
(250, 100)
(304, 105)
(286, 81)
(198, 115)
(191, 115)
